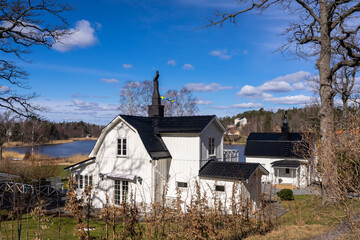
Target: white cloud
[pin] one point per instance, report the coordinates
(82, 36)
(202, 87)
(82, 105)
(293, 77)
(299, 86)
(4, 88)
(240, 105)
(188, 66)
(252, 92)
(297, 99)
(110, 80)
(171, 62)
(204, 102)
(247, 105)
(276, 87)
(127, 66)
(220, 53)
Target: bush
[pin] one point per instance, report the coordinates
(285, 194)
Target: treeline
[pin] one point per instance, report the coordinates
(44, 131)
(267, 121)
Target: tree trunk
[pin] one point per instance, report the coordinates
(327, 163)
(1, 150)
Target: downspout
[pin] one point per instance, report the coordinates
(153, 179)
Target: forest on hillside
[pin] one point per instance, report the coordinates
(300, 119)
(41, 131)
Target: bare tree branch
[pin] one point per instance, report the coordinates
(23, 24)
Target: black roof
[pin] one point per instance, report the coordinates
(229, 170)
(274, 145)
(82, 162)
(286, 163)
(188, 124)
(153, 141)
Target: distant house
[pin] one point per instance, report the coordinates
(140, 155)
(240, 121)
(281, 154)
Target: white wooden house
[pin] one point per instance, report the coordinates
(139, 155)
(281, 154)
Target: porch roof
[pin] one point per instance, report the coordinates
(286, 164)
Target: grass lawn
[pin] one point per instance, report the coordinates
(51, 229)
(64, 175)
(306, 218)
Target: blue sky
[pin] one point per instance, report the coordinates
(230, 69)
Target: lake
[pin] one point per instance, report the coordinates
(85, 147)
(59, 150)
(241, 149)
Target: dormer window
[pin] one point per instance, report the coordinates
(211, 146)
(121, 147)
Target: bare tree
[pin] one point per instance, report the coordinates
(132, 99)
(23, 24)
(322, 26)
(135, 97)
(5, 120)
(181, 103)
(344, 84)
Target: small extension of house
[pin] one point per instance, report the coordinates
(282, 155)
(140, 155)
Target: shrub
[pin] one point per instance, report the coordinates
(285, 194)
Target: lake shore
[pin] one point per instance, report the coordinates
(240, 142)
(54, 142)
(18, 158)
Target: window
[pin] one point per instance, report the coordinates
(211, 146)
(182, 184)
(77, 180)
(86, 180)
(121, 147)
(81, 181)
(287, 170)
(220, 188)
(121, 191)
(90, 180)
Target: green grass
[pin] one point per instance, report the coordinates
(64, 175)
(67, 229)
(306, 219)
(308, 209)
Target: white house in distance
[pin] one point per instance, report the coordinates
(240, 121)
(280, 154)
(139, 155)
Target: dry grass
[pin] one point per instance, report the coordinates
(292, 232)
(69, 160)
(53, 142)
(43, 159)
(12, 155)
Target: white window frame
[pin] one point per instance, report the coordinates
(185, 183)
(81, 181)
(121, 191)
(211, 145)
(122, 147)
(220, 191)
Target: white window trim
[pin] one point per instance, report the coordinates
(121, 191)
(214, 153)
(121, 150)
(217, 191)
(187, 184)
